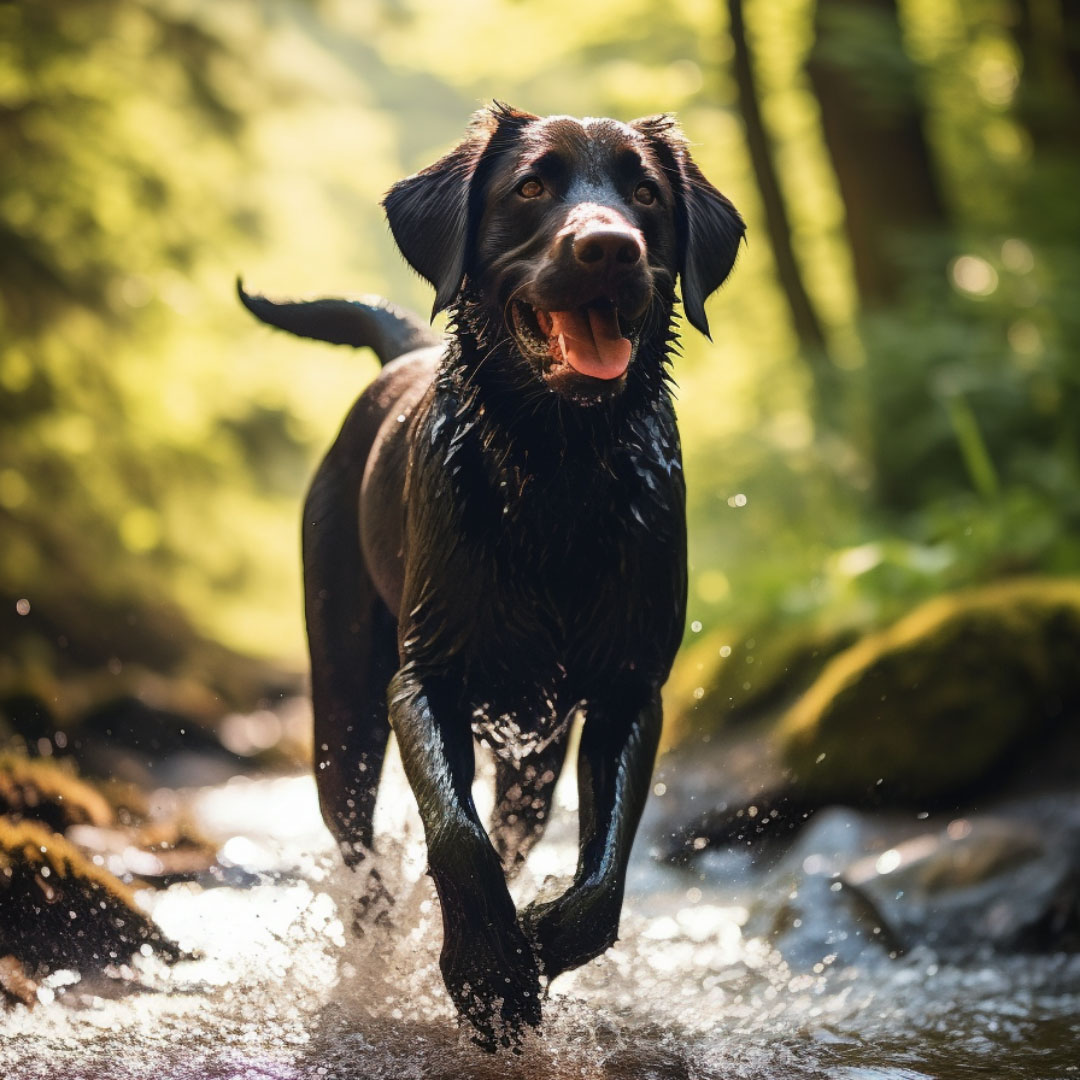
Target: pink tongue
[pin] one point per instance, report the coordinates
(591, 342)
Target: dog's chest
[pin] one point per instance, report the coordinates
(545, 571)
(582, 578)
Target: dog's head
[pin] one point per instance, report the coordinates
(571, 233)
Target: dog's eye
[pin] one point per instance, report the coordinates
(645, 194)
(529, 189)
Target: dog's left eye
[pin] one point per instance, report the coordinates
(645, 194)
(529, 189)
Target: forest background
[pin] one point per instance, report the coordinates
(890, 407)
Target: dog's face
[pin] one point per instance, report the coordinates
(571, 233)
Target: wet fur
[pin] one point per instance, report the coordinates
(485, 554)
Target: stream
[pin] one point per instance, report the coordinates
(694, 990)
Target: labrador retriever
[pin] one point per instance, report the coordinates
(496, 541)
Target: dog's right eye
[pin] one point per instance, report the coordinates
(645, 193)
(530, 188)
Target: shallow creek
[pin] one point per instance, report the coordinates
(281, 990)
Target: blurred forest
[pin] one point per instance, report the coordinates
(890, 408)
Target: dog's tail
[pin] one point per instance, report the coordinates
(388, 330)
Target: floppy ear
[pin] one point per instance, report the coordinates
(709, 227)
(433, 213)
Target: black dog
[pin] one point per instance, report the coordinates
(497, 537)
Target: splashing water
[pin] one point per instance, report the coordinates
(281, 989)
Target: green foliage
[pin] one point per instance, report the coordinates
(155, 441)
(101, 234)
(140, 469)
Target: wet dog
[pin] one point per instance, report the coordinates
(497, 541)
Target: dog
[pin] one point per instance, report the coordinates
(496, 541)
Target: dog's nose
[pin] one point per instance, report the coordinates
(607, 247)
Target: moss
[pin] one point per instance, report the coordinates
(181, 850)
(16, 987)
(45, 791)
(935, 703)
(728, 676)
(129, 801)
(59, 910)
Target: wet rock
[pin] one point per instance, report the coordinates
(109, 821)
(277, 739)
(943, 701)
(153, 729)
(853, 881)
(723, 789)
(24, 715)
(803, 908)
(59, 910)
(42, 790)
(160, 852)
(150, 746)
(980, 883)
(90, 647)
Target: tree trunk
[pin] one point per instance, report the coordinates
(872, 118)
(803, 317)
(1047, 34)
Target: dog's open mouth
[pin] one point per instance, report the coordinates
(587, 339)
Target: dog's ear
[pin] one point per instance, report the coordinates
(433, 214)
(709, 228)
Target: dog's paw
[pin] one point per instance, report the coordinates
(572, 930)
(494, 981)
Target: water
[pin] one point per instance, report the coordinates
(282, 990)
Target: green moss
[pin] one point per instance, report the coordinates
(935, 703)
(59, 910)
(42, 790)
(728, 676)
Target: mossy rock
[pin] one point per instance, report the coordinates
(24, 717)
(16, 987)
(117, 644)
(935, 704)
(42, 790)
(728, 676)
(59, 910)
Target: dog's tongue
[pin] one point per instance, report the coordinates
(591, 342)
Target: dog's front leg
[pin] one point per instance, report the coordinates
(615, 762)
(486, 961)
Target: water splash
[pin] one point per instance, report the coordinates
(282, 988)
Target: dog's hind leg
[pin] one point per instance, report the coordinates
(352, 640)
(523, 794)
